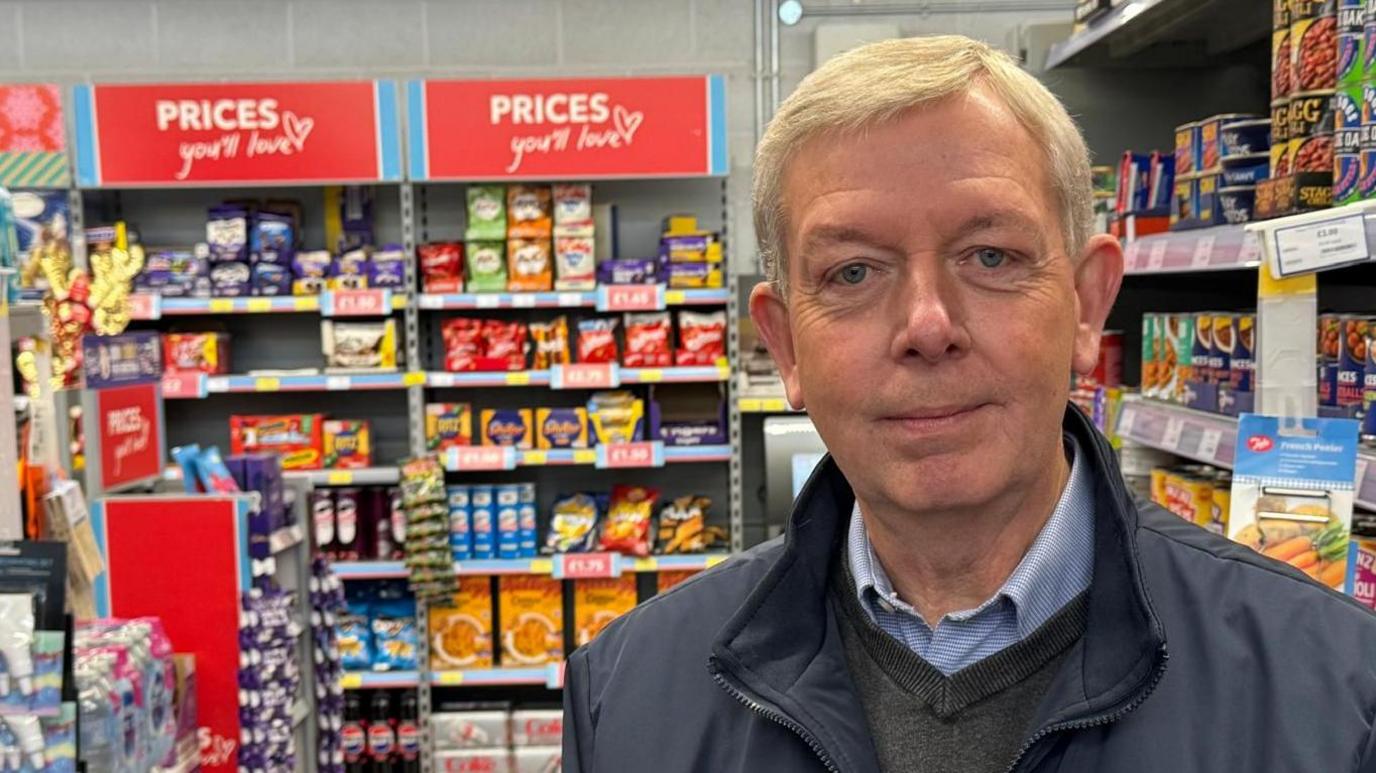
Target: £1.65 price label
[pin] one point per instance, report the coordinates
(630, 297)
(357, 303)
(590, 375)
(623, 455)
(481, 458)
(587, 566)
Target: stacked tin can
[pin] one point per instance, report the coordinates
(1313, 76)
(1348, 101)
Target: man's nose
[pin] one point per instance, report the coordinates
(929, 306)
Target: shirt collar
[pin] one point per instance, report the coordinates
(1056, 568)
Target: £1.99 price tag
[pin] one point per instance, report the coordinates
(623, 455)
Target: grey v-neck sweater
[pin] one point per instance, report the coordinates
(974, 721)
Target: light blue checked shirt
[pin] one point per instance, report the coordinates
(1056, 569)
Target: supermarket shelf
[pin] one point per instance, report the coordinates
(374, 570)
(367, 476)
(149, 307)
(1221, 248)
(764, 405)
(285, 538)
(1164, 32)
(558, 300)
(551, 675)
(307, 383)
(1205, 437)
(563, 457)
(364, 680)
(669, 375)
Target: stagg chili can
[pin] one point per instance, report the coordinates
(1347, 135)
(1280, 15)
(1366, 143)
(1311, 132)
(1313, 45)
(1351, 44)
(1280, 138)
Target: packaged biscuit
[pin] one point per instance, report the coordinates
(353, 345)
(348, 444)
(200, 352)
(447, 425)
(561, 428)
(529, 213)
(506, 427)
(666, 581)
(297, 438)
(572, 525)
(486, 213)
(598, 602)
(531, 620)
(575, 263)
(573, 210)
(615, 417)
(528, 265)
(551, 341)
(461, 631)
(626, 527)
(486, 264)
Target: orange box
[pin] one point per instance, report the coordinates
(461, 632)
(667, 580)
(531, 610)
(598, 602)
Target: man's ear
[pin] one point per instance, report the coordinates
(770, 314)
(1097, 280)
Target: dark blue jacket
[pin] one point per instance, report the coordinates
(1198, 655)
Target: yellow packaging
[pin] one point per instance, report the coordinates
(461, 631)
(680, 225)
(615, 417)
(531, 610)
(1174, 487)
(1158, 486)
(667, 580)
(507, 427)
(598, 602)
(1220, 504)
(448, 424)
(1197, 504)
(1169, 373)
(561, 428)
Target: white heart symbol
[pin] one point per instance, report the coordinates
(297, 129)
(627, 122)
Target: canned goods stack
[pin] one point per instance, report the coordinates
(1188, 355)
(1218, 162)
(1198, 493)
(1347, 368)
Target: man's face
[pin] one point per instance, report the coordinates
(933, 317)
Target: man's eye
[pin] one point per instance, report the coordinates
(853, 274)
(990, 257)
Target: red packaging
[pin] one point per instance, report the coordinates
(463, 344)
(296, 437)
(1108, 371)
(597, 340)
(647, 341)
(441, 267)
(203, 352)
(506, 344)
(701, 338)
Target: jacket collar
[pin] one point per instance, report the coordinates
(783, 645)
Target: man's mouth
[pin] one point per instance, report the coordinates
(935, 418)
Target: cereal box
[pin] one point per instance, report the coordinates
(666, 580)
(598, 602)
(448, 424)
(348, 444)
(461, 632)
(531, 620)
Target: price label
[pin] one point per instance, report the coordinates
(339, 478)
(630, 297)
(306, 303)
(570, 300)
(259, 305)
(482, 458)
(267, 384)
(183, 385)
(554, 677)
(1203, 251)
(337, 383)
(449, 678)
(518, 378)
(428, 301)
(623, 455)
(587, 566)
(1208, 444)
(591, 375)
(358, 303)
(1130, 256)
(535, 458)
(441, 380)
(413, 378)
(1309, 247)
(145, 306)
(523, 301)
(1125, 421)
(1171, 438)
(651, 375)
(217, 384)
(1250, 251)
(487, 301)
(1156, 258)
(351, 681)
(221, 305)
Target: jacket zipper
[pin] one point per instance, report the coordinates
(777, 717)
(1102, 719)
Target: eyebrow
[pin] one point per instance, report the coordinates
(825, 235)
(1006, 218)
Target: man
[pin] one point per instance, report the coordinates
(965, 584)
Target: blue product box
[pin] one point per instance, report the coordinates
(483, 522)
(508, 499)
(460, 525)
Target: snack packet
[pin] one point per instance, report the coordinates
(683, 526)
(486, 267)
(626, 529)
(597, 340)
(395, 636)
(551, 343)
(486, 212)
(505, 343)
(647, 340)
(575, 263)
(572, 526)
(528, 212)
(573, 210)
(360, 345)
(701, 338)
(528, 265)
(441, 267)
(448, 424)
(615, 417)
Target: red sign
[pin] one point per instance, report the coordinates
(481, 458)
(183, 385)
(587, 566)
(567, 128)
(586, 375)
(189, 133)
(130, 438)
(197, 540)
(1260, 443)
(359, 303)
(645, 454)
(145, 306)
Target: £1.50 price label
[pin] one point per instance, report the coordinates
(624, 455)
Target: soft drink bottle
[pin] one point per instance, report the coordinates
(382, 738)
(353, 736)
(408, 734)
